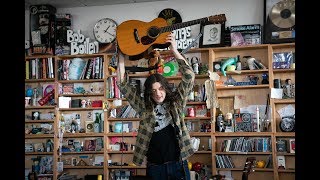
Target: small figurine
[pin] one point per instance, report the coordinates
(83, 103)
(154, 60)
(195, 65)
(220, 123)
(288, 89)
(228, 123)
(265, 79)
(89, 103)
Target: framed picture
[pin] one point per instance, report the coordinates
(279, 21)
(90, 145)
(213, 35)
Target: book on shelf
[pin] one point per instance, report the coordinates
(84, 70)
(50, 68)
(281, 145)
(76, 67)
(90, 69)
(65, 69)
(44, 68)
(292, 144)
(33, 69)
(27, 71)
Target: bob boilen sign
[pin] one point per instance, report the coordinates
(81, 45)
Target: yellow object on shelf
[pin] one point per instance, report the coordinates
(190, 165)
(260, 164)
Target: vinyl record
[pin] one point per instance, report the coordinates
(283, 14)
(171, 15)
(170, 69)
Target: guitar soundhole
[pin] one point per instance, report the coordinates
(145, 40)
(153, 32)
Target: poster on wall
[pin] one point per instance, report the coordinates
(63, 23)
(185, 35)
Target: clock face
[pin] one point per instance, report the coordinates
(105, 30)
(287, 125)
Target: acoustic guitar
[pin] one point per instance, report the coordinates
(248, 167)
(134, 37)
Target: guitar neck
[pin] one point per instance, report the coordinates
(183, 24)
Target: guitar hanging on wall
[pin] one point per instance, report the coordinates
(248, 167)
(135, 37)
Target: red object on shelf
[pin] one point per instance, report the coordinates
(97, 103)
(46, 98)
(197, 167)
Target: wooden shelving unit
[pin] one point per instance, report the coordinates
(256, 94)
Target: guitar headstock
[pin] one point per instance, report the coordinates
(248, 166)
(220, 18)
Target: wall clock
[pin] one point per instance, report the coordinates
(104, 30)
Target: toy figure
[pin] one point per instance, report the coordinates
(155, 60)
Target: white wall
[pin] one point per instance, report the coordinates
(237, 12)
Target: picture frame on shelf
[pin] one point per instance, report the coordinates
(213, 35)
(90, 145)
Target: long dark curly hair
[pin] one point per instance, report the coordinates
(153, 78)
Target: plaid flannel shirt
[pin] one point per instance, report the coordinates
(147, 124)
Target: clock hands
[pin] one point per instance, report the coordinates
(106, 31)
(110, 33)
